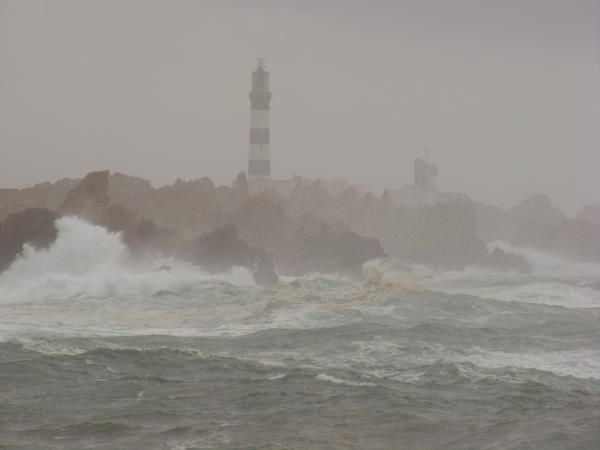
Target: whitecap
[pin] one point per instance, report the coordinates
(335, 380)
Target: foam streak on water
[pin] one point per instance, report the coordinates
(99, 351)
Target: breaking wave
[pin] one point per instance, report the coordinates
(553, 266)
(87, 331)
(390, 272)
(89, 261)
(552, 281)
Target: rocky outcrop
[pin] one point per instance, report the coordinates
(116, 218)
(43, 195)
(327, 251)
(89, 198)
(90, 201)
(305, 244)
(505, 261)
(217, 251)
(536, 208)
(222, 249)
(494, 223)
(443, 235)
(447, 235)
(590, 213)
(545, 228)
(263, 222)
(120, 183)
(186, 207)
(578, 240)
(145, 238)
(265, 272)
(33, 226)
(310, 231)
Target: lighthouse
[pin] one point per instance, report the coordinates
(259, 157)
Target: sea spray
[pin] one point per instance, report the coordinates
(95, 347)
(210, 362)
(553, 280)
(391, 273)
(89, 261)
(551, 265)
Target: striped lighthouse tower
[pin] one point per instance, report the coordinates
(259, 160)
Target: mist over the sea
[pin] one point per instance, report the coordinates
(308, 225)
(99, 352)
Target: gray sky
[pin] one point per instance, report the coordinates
(504, 94)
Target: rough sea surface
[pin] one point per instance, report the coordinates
(97, 352)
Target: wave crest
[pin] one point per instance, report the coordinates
(89, 261)
(391, 273)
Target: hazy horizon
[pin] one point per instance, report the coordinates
(279, 315)
(504, 96)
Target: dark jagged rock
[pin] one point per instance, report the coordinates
(222, 249)
(328, 251)
(88, 198)
(141, 235)
(218, 250)
(34, 226)
(444, 235)
(447, 235)
(265, 272)
(121, 183)
(90, 201)
(240, 185)
(501, 260)
(573, 239)
(536, 208)
(494, 223)
(186, 207)
(43, 195)
(306, 244)
(117, 218)
(147, 239)
(262, 221)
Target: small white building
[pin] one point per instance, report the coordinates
(423, 192)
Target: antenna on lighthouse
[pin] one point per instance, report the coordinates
(260, 62)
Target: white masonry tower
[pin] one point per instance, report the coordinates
(259, 160)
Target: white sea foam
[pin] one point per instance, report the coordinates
(88, 261)
(86, 284)
(549, 265)
(390, 272)
(278, 376)
(578, 364)
(553, 280)
(335, 380)
(391, 360)
(547, 293)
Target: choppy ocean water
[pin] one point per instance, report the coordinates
(96, 352)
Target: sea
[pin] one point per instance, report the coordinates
(99, 351)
